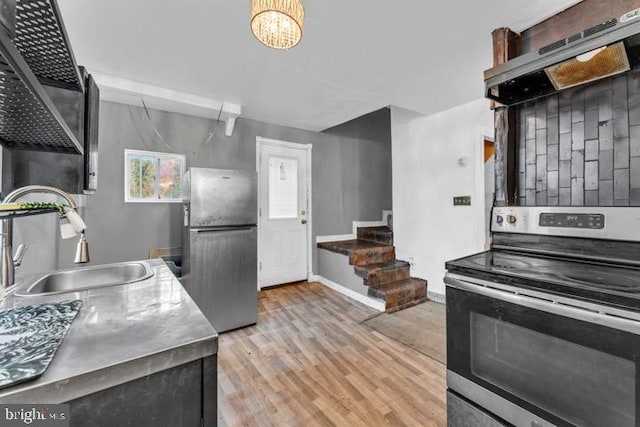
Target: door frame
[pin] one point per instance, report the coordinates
(487, 207)
(260, 142)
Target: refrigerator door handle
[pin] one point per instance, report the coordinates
(219, 230)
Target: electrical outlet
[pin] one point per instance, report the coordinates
(462, 201)
(412, 263)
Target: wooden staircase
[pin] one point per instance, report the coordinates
(374, 259)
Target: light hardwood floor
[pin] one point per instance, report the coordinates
(310, 362)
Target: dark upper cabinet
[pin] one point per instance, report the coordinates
(48, 105)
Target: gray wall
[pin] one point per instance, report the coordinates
(366, 166)
(582, 146)
(351, 177)
(375, 126)
(336, 268)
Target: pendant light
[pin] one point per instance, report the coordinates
(277, 23)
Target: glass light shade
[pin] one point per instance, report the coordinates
(277, 23)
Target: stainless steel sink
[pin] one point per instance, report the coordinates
(79, 279)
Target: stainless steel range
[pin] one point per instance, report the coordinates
(544, 328)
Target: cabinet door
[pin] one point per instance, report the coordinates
(92, 107)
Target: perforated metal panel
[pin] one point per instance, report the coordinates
(42, 40)
(28, 119)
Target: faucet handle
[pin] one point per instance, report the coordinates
(19, 255)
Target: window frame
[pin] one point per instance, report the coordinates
(158, 156)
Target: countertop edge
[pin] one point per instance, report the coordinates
(95, 381)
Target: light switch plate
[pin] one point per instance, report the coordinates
(462, 201)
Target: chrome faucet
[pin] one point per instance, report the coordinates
(7, 261)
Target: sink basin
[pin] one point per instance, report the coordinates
(79, 279)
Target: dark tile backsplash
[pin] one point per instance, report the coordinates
(582, 146)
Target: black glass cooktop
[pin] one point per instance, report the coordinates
(597, 282)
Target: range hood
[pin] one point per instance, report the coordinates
(604, 50)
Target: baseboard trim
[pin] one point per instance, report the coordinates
(376, 304)
(437, 297)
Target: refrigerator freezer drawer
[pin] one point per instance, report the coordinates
(221, 197)
(222, 276)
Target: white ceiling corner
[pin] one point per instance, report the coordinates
(355, 56)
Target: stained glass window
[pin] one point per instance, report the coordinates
(153, 177)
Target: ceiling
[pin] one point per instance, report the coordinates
(356, 56)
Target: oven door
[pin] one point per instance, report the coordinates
(537, 360)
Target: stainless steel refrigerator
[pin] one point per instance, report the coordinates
(220, 245)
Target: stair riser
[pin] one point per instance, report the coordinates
(372, 256)
(377, 278)
(402, 297)
(407, 305)
(380, 237)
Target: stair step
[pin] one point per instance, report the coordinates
(378, 274)
(381, 234)
(401, 293)
(361, 252)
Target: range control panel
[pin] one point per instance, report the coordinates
(572, 220)
(600, 222)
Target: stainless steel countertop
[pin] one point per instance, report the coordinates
(121, 333)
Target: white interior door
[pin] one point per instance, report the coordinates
(284, 217)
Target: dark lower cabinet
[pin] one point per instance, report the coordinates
(461, 413)
(185, 396)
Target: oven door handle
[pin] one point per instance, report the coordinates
(575, 309)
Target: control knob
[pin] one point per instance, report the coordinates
(499, 219)
(511, 219)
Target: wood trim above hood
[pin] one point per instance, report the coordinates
(573, 20)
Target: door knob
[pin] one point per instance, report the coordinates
(304, 221)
